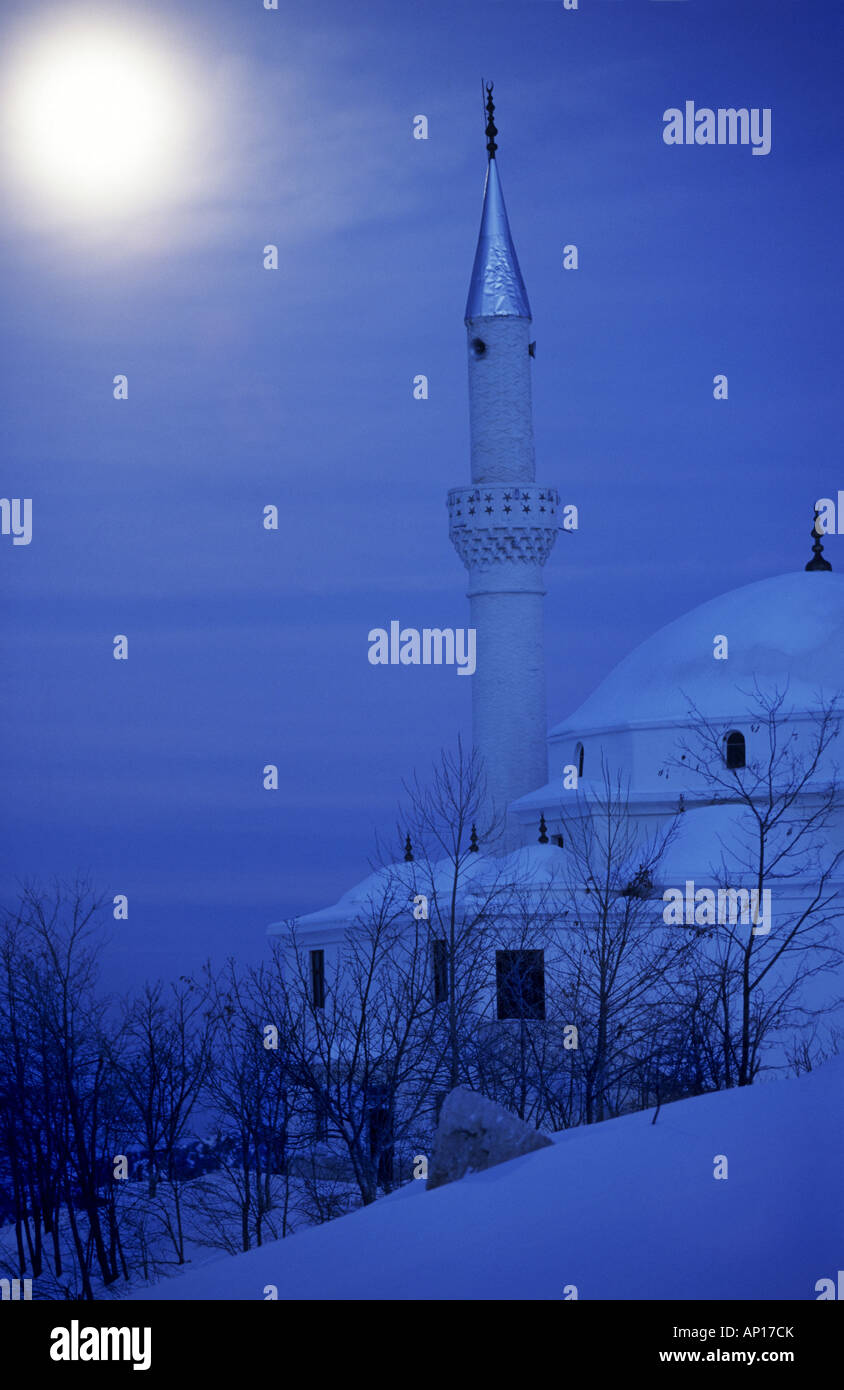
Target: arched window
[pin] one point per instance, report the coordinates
(734, 750)
(578, 757)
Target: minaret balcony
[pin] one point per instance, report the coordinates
(503, 506)
(489, 525)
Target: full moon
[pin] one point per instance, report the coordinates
(95, 118)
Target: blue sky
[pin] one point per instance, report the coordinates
(249, 387)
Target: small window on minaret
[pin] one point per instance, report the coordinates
(578, 753)
(318, 979)
(735, 750)
(478, 347)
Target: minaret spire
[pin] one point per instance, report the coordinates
(496, 286)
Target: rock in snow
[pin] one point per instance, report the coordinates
(474, 1133)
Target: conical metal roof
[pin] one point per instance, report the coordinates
(496, 287)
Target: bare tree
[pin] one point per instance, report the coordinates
(364, 1052)
(449, 823)
(515, 1049)
(66, 1114)
(163, 1063)
(785, 799)
(615, 955)
(248, 1086)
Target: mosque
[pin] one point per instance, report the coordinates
(781, 634)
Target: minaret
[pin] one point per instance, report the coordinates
(504, 525)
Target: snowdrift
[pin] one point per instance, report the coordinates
(621, 1210)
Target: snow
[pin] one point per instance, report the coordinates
(392, 886)
(211, 1222)
(790, 628)
(623, 1210)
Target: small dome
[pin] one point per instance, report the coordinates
(390, 889)
(790, 628)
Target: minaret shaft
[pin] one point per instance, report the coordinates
(500, 418)
(508, 702)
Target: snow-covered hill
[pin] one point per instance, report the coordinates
(621, 1210)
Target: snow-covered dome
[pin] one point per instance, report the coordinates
(790, 628)
(391, 890)
(784, 634)
(387, 890)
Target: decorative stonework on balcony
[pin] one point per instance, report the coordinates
(493, 525)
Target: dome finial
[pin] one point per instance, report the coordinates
(818, 561)
(491, 130)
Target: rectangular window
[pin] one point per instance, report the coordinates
(318, 979)
(381, 1149)
(440, 964)
(520, 984)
